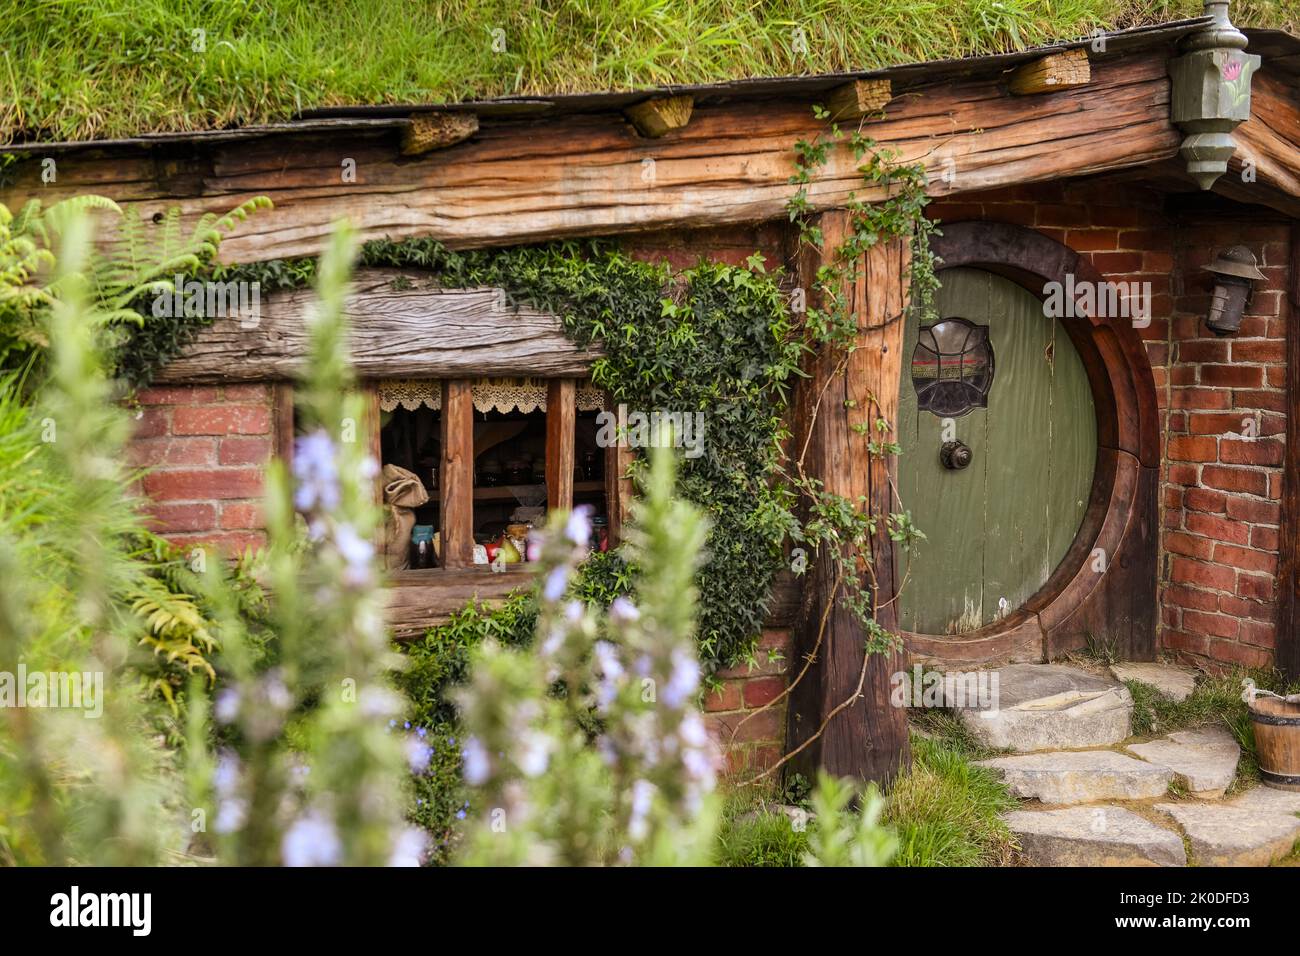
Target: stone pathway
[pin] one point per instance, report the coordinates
(1067, 727)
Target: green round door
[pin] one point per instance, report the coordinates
(999, 443)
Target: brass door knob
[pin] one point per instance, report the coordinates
(954, 455)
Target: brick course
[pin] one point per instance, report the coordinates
(205, 449)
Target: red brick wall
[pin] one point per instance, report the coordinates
(1219, 493)
(205, 448)
(760, 741)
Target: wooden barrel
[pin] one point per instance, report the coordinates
(1277, 742)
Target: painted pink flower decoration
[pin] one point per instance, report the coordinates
(1232, 70)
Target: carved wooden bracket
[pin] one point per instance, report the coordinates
(1211, 94)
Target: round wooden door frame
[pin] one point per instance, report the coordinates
(1124, 397)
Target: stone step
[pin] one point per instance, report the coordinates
(1205, 760)
(1268, 800)
(1094, 836)
(1047, 707)
(1171, 680)
(1081, 776)
(1224, 834)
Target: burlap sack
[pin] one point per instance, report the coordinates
(403, 493)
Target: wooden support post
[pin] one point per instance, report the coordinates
(868, 738)
(1288, 572)
(457, 480)
(655, 117)
(430, 131)
(1057, 71)
(283, 413)
(561, 425)
(859, 98)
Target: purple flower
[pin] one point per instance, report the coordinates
(311, 841)
(578, 528)
(316, 471)
(477, 763)
(357, 553)
(1232, 70)
(226, 708)
(623, 611)
(417, 755)
(409, 849)
(683, 680)
(556, 583)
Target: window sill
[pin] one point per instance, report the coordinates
(418, 600)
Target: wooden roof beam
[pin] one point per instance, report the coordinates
(1057, 71)
(430, 131)
(859, 98)
(661, 114)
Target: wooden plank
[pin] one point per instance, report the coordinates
(530, 179)
(661, 114)
(561, 428)
(282, 402)
(1288, 576)
(864, 736)
(618, 489)
(456, 483)
(1267, 145)
(370, 434)
(437, 130)
(859, 98)
(400, 327)
(417, 600)
(1053, 73)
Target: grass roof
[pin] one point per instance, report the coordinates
(89, 69)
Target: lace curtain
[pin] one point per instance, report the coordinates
(490, 394)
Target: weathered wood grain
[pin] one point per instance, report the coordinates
(1053, 73)
(397, 331)
(418, 600)
(1265, 170)
(561, 425)
(529, 179)
(867, 738)
(457, 480)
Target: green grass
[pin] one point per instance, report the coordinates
(945, 811)
(81, 69)
(1216, 702)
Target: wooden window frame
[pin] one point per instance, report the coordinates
(423, 597)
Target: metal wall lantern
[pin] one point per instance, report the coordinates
(1235, 274)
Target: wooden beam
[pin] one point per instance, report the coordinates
(535, 179)
(456, 484)
(430, 131)
(561, 426)
(662, 114)
(401, 326)
(1288, 574)
(1265, 171)
(418, 600)
(867, 739)
(1053, 73)
(859, 98)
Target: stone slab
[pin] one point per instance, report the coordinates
(1094, 836)
(1171, 680)
(1221, 834)
(1080, 776)
(1205, 759)
(1049, 707)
